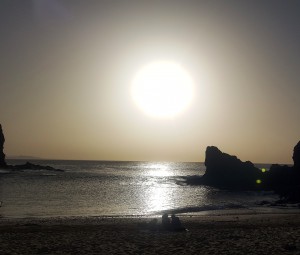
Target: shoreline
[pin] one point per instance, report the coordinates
(257, 210)
(213, 234)
(94, 220)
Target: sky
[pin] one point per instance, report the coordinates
(67, 67)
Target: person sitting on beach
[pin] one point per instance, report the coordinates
(176, 223)
(165, 221)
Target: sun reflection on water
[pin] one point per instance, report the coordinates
(159, 169)
(159, 194)
(158, 199)
(163, 193)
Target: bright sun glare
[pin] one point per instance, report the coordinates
(162, 89)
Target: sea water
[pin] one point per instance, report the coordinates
(112, 188)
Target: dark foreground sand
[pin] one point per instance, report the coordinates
(239, 234)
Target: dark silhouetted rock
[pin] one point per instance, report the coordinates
(2, 155)
(296, 156)
(27, 166)
(224, 170)
(279, 175)
(285, 180)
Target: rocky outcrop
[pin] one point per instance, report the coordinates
(30, 166)
(285, 180)
(281, 175)
(296, 156)
(224, 170)
(2, 155)
(27, 166)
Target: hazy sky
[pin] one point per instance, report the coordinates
(67, 67)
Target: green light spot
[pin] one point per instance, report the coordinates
(263, 170)
(258, 181)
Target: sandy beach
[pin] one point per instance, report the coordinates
(231, 234)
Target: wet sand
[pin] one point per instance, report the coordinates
(231, 234)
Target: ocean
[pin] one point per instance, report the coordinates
(114, 188)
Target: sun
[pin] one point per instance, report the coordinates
(162, 89)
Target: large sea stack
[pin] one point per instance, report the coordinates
(296, 157)
(224, 170)
(2, 155)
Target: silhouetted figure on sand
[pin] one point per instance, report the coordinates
(176, 223)
(173, 225)
(165, 221)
